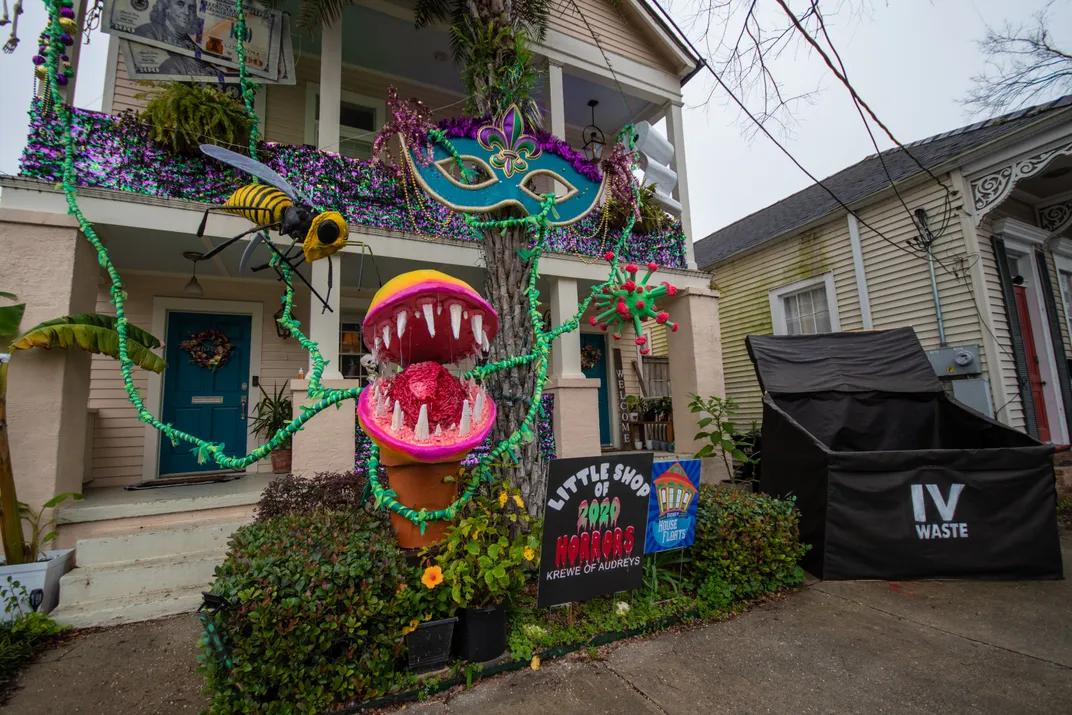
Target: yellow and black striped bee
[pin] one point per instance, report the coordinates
(277, 205)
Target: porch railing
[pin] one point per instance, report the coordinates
(117, 153)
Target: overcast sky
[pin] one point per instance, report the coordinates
(911, 60)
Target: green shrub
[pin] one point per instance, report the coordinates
(23, 635)
(182, 116)
(747, 542)
(315, 618)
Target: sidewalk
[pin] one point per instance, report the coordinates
(845, 647)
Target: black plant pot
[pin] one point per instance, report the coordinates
(481, 635)
(429, 645)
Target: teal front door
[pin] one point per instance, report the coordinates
(599, 370)
(210, 404)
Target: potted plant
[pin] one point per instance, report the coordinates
(273, 413)
(632, 403)
(21, 582)
(430, 634)
(24, 563)
(483, 561)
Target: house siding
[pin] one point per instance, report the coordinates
(119, 437)
(612, 30)
(898, 284)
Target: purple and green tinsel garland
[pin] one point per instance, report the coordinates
(545, 435)
(117, 153)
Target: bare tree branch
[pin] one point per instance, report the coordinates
(1024, 66)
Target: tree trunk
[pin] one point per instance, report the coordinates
(506, 279)
(9, 504)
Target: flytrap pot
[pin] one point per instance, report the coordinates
(428, 646)
(424, 417)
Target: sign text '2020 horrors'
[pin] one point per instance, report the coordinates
(594, 527)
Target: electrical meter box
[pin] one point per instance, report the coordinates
(955, 361)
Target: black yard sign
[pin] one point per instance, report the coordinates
(594, 527)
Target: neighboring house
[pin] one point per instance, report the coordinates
(1003, 269)
(73, 428)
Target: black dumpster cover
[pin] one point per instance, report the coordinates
(869, 361)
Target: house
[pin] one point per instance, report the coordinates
(144, 549)
(992, 307)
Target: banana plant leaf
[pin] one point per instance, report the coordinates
(10, 315)
(94, 333)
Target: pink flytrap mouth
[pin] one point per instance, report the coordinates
(432, 320)
(425, 414)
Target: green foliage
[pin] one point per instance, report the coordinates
(183, 116)
(325, 491)
(23, 635)
(718, 429)
(33, 518)
(10, 315)
(315, 616)
(652, 218)
(273, 412)
(747, 542)
(485, 556)
(93, 333)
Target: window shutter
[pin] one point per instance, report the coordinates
(1019, 356)
(1055, 335)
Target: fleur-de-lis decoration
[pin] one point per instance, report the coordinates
(512, 145)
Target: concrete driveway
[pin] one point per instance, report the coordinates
(837, 647)
(849, 647)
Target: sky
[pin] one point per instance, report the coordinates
(911, 60)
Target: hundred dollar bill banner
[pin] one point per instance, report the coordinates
(675, 488)
(594, 527)
(202, 30)
(146, 62)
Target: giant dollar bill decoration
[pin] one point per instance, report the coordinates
(202, 30)
(145, 62)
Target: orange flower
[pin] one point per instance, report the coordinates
(433, 576)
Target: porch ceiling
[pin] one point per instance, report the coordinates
(1055, 180)
(391, 45)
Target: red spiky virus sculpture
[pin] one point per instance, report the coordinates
(631, 301)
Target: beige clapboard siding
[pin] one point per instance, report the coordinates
(656, 337)
(615, 32)
(126, 89)
(744, 305)
(1014, 410)
(285, 104)
(119, 438)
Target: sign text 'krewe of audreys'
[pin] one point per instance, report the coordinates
(594, 527)
(675, 491)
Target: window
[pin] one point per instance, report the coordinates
(360, 118)
(351, 348)
(806, 307)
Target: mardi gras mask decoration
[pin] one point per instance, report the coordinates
(500, 166)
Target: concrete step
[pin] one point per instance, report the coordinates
(133, 579)
(100, 551)
(129, 609)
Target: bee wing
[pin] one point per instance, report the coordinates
(254, 168)
(247, 254)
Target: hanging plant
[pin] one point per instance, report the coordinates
(182, 116)
(590, 356)
(208, 349)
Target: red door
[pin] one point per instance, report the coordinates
(1033, 374)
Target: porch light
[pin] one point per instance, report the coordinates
(193, 287)
(280, 329)
(594, 141)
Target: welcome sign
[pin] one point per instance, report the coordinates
(675, 491)
(594, 527)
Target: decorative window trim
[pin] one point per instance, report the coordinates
(1019, 232)
(777, 306)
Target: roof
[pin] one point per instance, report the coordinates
(862, 180)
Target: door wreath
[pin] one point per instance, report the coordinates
(590, 356)
(208, 349)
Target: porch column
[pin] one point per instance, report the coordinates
(324, 325)
(53, 270)
(576, 414)
(675, 132)
(695, 352)
(327, 442)
(330, 86)
(556, 106)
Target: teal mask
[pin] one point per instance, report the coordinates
(509, 159)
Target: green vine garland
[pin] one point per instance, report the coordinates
(385, 498)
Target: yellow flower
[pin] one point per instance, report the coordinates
(433, 576)
(502, 499)
(517, 500)
(411, 627)
(529, 553)
(535, 662)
